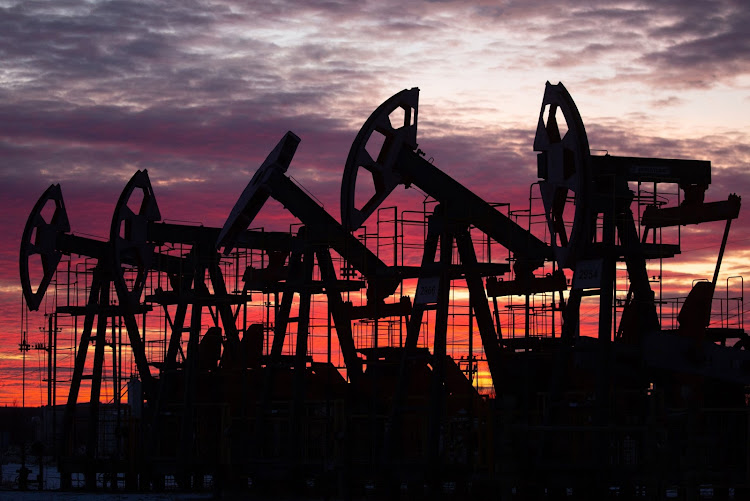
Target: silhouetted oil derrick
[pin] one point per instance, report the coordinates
(588, 200)
(316, 238)
(190, 373)
(257, 358)
(50, 240)
(393, 127)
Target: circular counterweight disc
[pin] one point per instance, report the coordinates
(132, 252)
(564, 166)
(40, 239)
(377, 145)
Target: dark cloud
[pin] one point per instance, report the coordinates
(672, 43)
(96, 40)
(667, 102)
(704, 62)
(693, 44)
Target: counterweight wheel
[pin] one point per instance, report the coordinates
(132, 252)
(563, 164)
(40, 238)
(380, 126)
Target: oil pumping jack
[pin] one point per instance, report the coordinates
(392, 129)
(46, 241)
(218, 362)
(399, 162)
(320, 233)
(124, 262)
(587, 200)
(602, 231)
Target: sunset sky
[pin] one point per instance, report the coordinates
(199, 92)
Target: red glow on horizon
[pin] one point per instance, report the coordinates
(398, 239)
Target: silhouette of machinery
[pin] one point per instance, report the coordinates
(248, 403)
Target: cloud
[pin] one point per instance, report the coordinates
(674, 44)
(667, 102)
(705, 49)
